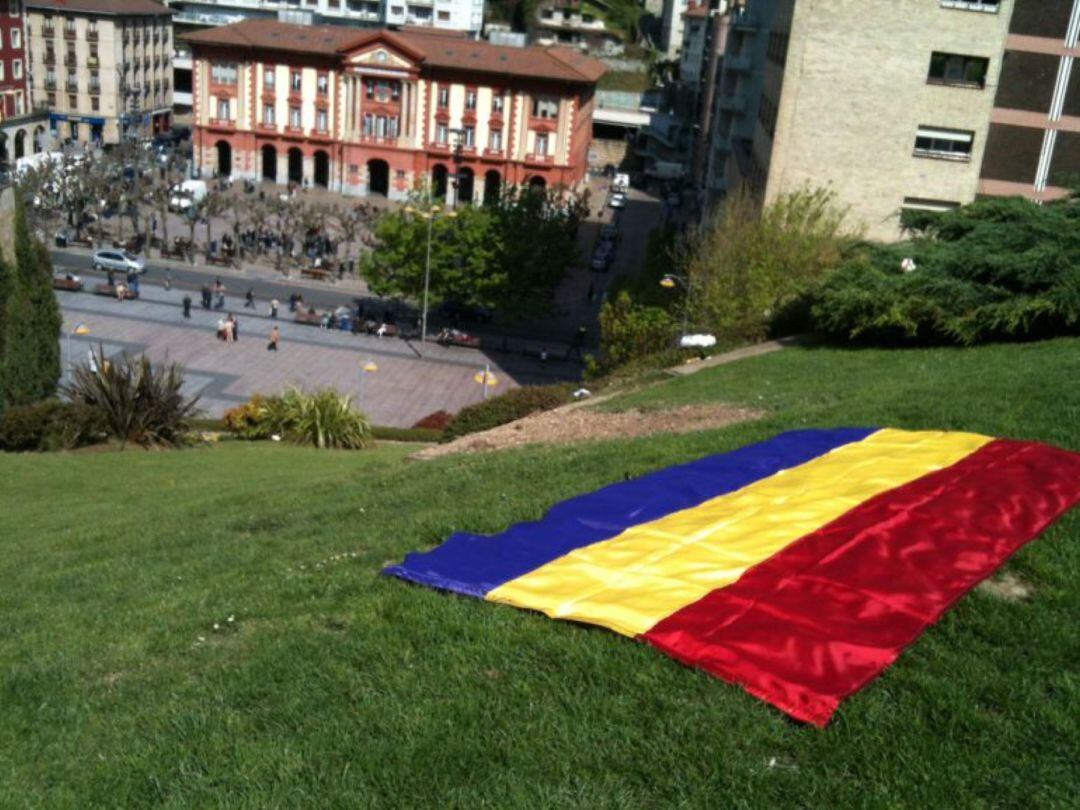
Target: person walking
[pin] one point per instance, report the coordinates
(227, 328)
(120, 290)
(110, 278)
(273, 309)
(275, 338)
(249, 299)
(168, 278)
(187, 307)
(235, 327)
(206, 299)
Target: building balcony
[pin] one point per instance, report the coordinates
(540, 160)
(69, 33)
(50, 58)
(380, 140)
(92, 61)
(494, 153)
(94, 88)
(72, 87)
(91, 35)
(50, 84)
(221, 123)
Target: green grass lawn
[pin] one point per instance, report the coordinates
(334, 687)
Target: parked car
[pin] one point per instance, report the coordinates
(609, 232)
(674, 199)
(618, 200)
(602, 257)
(119, 260)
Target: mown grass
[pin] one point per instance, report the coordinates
(334, 687)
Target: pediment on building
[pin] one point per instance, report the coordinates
(383, 51)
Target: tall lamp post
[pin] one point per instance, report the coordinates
(431, 213)
(670, 281)
(77, 329)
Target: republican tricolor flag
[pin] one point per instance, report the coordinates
(798, 568)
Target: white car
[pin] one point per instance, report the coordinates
(618, 200)
(119, 260)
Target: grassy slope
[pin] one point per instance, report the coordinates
(334, 687)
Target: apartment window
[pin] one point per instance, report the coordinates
(973, 5)
(223, 73)
(392, 127)
(925, 204)
(776, 51)
(294, 117)
(444, 97)
(442, 133)
(223, 109)
(95, 103)
(946, 144)
(322, 84)
(497, 104)
(545, 108)
(468, 137)
(268, 114)
(50, 77)
(2, 75)
(322, 121)
(15, 8)
(268, 79)
(93, 53)
(95, 82)
(495, 140)
(470, 99)
(2, 38)
(541, 143)
(51, 99)
(19, 106)
(295, 81)
(70, 59)
(767, 114)
(16, 38)
(957, 69)
(73, 103)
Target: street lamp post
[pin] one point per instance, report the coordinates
(430, 215)
(369, 367)
(670, 281)
(77, 329)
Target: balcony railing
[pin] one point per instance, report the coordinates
(91, 35)
(72, 87)
(50, 58)
(95, 88)
(50, 84)
(69, 32)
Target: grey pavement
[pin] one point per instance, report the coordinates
(412, 379)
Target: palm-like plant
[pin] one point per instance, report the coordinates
(141, 404)
(323, 419)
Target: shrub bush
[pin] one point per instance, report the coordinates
(629, 331)
(514, 404)
(140, 403)
(995, 269)
(322, 419)
(436, 421)
(51, 425)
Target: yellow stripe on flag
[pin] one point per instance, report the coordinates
(630, 582)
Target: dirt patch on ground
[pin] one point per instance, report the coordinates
(1007, 586)
(573, 424)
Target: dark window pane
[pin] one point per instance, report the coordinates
(1012, 153)
(1027, 81)
(1041, 18)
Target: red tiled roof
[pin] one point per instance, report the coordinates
(430, 48)
(114, 8)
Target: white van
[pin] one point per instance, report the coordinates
(621, 183)
(183, 195)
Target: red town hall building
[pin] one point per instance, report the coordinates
(380, 112)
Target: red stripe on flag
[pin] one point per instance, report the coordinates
(816, 622)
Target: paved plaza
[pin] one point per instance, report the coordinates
(412, 379)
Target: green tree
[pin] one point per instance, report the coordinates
(464, 257)
(744, 264)
(32, 348)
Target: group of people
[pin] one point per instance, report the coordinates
(120, 288)
(213, 296)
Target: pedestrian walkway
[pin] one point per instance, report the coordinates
(412, 379)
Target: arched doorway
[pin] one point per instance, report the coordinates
(3, 148)
(378, 172)
(269, 163)
(20, 144)
(438, 181)
(39, 139)
(296, 165)
(465, 182)
(537, 183)
(224, 158)
(492, 183)
(322, 169)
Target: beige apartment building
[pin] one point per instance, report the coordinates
(886, 102)
(102, 67)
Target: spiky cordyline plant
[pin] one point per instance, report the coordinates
(141, 403)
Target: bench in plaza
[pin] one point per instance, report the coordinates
(319, 273)
(221, 261)
(65, 283)
(309, 318)
(110, 291)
